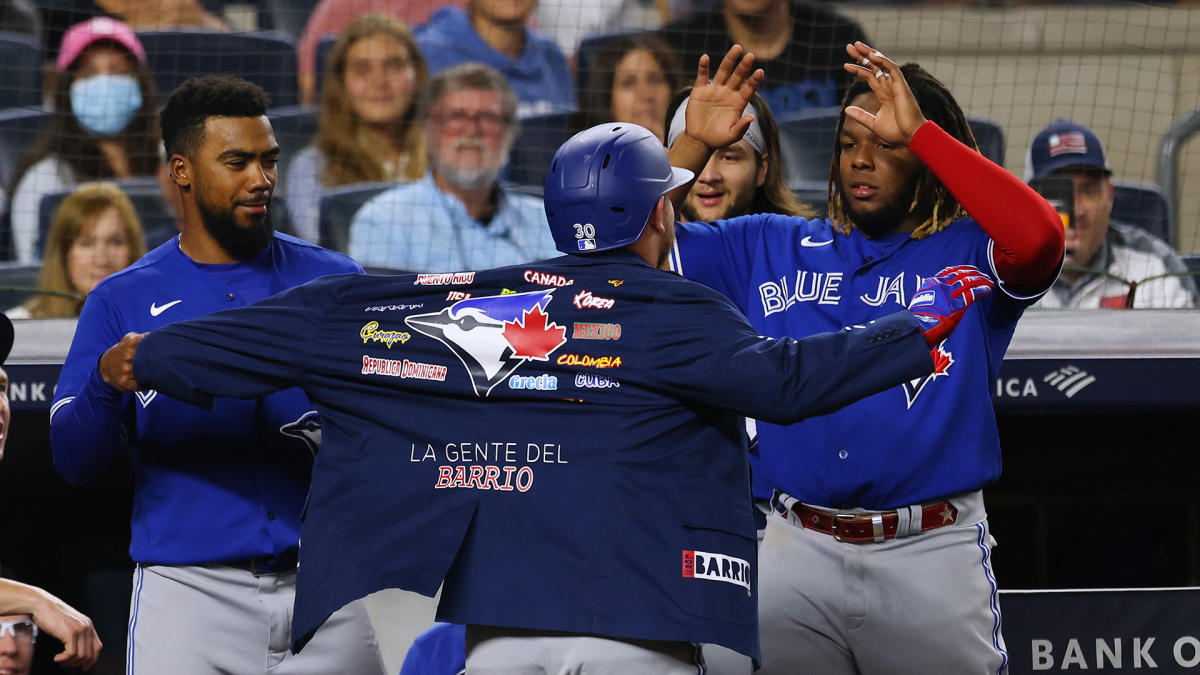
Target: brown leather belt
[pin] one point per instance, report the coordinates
(870, 527)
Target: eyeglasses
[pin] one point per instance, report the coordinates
(21, 629)
(463, 120)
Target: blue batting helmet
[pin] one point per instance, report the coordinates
(602, 185)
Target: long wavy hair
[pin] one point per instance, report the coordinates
(78, 211)
(932, 203)
(596, 97)
(774, 196)
(346, 160)
(65, 139)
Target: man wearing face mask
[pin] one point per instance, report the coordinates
(219, 494)
(104, 123)
(457, 217)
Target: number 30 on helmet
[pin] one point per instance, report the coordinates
(602, 185)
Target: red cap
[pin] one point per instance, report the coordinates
(81, 36)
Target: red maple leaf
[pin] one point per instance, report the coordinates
(531, 337)
(941, 361)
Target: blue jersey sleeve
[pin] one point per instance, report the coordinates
(710, 354)
(246, 352)
(85, 419)
(721, 254)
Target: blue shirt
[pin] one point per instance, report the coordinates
(440, 650)
(209, 485)
(559, 442)
(540, 75)
(417, 227)
(931, 437)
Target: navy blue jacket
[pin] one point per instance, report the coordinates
(609, 495)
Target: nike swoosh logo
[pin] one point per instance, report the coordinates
(807, 241)
(155, 310)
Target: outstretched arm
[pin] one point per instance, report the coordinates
(81, 644)
(714, 113)
(1027, 233)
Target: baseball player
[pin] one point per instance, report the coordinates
(877, 557)
(218, 493)
(561, 442)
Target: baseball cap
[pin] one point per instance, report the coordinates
(81, 36)
(6, 337)
(1064, 144)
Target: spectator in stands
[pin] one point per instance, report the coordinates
(95, 233)
(799, 43)
(457, 217)
(60, 15)
(1097, 247)
(494, 32)
(569, 22)
(329, 17)
(104, 123)
(631, 81)
(368, 128)
(739, 179)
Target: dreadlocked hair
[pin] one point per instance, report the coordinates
(932, 202)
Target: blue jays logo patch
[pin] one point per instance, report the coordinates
(942, 360)
(307, 429)
(494, 335)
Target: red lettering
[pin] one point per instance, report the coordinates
(508, 472)
(493, 472)
(528, 474)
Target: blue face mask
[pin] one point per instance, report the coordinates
(104, 104)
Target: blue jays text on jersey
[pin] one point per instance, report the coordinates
(210, 485)
(795, 277)
(594, 484)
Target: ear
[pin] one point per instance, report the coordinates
(180, 170)
(660, 214)
(760, 176)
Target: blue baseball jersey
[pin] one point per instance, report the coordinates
(929, 437)
(561, 443)
(209, 485)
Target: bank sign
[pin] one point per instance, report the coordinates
(1105, 631)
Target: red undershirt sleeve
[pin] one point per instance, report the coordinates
(1026, 231)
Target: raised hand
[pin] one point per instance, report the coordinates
(714, 112)
(899, 115)
(940, 300)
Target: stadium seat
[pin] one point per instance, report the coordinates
(989, 136)
(267, 58)
(1144, 206)
(18, 282)
(288, 16)
(20, 70)
(294, 128)
(589, 51)
(537, 140)
(324, 46)
(18, 128)
(807, 143)
(815, 194)
(157, 221)
(1192, 260)
(338, 206)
